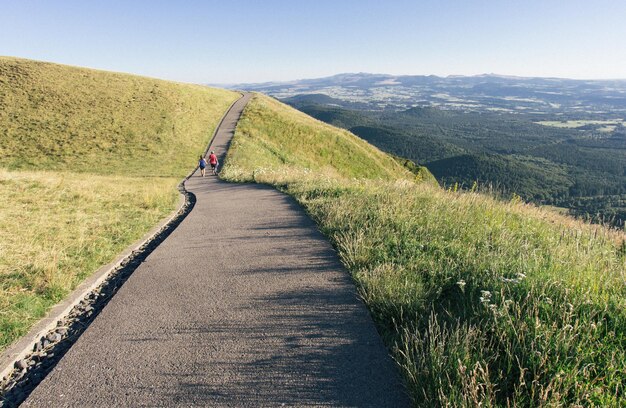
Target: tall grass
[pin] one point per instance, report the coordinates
(110, 149)
(481, 302)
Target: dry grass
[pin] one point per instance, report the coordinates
(57, 228)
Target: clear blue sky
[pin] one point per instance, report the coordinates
(263, 40)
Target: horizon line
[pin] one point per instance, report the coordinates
(285, 81)
(506, 76)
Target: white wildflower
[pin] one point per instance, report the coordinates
(485, 296)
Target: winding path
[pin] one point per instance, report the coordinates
(244, 304)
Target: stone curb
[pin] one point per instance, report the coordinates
(25, 345)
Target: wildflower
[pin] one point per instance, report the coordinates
(485, 296)
(461, 285)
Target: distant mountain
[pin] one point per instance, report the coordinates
(481, 93)
(321, 99)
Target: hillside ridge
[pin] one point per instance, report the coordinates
(64, 118)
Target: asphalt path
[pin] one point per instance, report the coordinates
(244, 304)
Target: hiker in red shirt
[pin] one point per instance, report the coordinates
(213, 162)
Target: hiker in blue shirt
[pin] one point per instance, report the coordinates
(202, 165)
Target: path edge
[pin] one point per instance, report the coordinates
(24, 346)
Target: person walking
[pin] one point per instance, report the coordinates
(213, 162)
(202, 165)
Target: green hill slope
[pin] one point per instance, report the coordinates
(581, 168)
(482, 302)
(275, 141)
(65, 118)
(89, 162)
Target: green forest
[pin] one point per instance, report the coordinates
(581, 169)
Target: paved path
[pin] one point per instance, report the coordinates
(244, 304)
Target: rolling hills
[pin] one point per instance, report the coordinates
(479, 93)
(89, 162)
(481, 301)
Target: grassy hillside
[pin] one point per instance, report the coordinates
(275, 139)
(64, 118)
(56, 228)
(89, 162)
(482, 302)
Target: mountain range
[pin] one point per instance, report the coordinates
(480, 93)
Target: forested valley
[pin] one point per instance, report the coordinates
(540, 158)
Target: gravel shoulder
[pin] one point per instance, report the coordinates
(244, 304)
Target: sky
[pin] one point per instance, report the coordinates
(276, 40)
